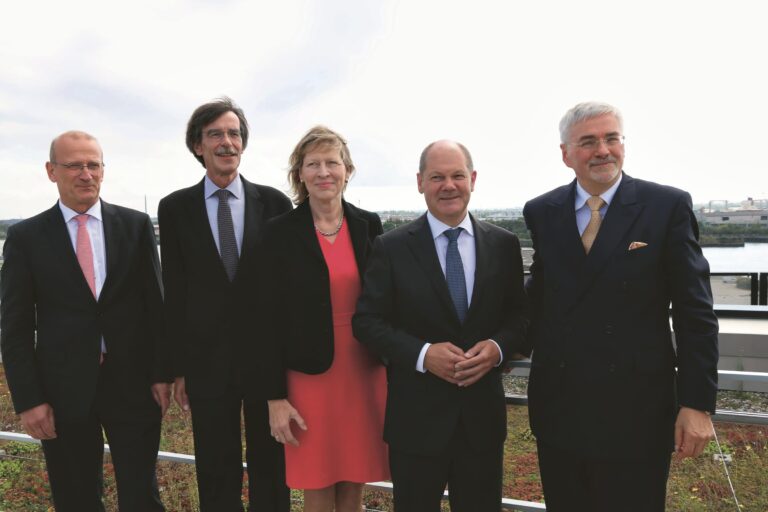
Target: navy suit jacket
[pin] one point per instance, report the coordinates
(52, 325)
(405, 303)
(603, 377)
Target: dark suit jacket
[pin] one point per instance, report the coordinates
(205, 314)
(294, 297)
(405, 303)
(603, 378)
(46, 297)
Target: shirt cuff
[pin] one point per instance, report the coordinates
(422, 355)
(501, 354)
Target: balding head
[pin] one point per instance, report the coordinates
(445, 144)
(75, 135)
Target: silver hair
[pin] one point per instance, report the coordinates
(584, 111)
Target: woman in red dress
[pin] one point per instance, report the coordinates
(315, 372)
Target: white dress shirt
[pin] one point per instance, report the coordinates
(583, 213)
(467, 250)
(95, 227)
(236, 206)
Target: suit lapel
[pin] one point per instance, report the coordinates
(197, 213)
(422, 246)
(305, 230)
(58, 234)
(254, 216)
(619, 218)
(562, 223)
(483, 266)
(114, 236)
(358, 233)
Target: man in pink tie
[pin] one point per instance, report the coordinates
(81, 331)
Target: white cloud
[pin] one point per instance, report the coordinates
(391, 76)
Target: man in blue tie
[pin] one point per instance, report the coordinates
(443, 304)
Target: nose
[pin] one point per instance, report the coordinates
(602, 147)
(85, 173)
(323, 171)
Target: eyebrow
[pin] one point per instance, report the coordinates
(586, 137)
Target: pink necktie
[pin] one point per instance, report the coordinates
(84, 252)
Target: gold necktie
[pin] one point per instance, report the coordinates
(590, 233)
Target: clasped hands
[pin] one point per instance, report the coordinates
(453, 365)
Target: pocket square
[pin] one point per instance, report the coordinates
(636, 245)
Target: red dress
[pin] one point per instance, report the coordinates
(343, 407)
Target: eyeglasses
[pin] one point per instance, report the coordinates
(79, 166)
(593, 143)
(219, 134)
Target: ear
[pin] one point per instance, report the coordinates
(566, 158)
(49, 171)
(419, 178)
(198, 149)
(472, 178)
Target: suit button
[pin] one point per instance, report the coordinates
(624, 286)
(612, 368)
(562, 364)
(608, 329)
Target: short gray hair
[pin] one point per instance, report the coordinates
(584, 111)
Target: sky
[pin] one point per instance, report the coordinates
(390, 76)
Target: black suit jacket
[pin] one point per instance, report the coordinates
(405, 303)
(205, 314)
(294, 296)
(603, 378)
(52, 325)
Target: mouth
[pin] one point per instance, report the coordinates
(226, 153)
(598, 163)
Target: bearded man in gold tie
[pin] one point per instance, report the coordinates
(611, 395)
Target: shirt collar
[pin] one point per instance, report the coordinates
(235, 188)
(69, 213)
(438, 227)
(582, 195)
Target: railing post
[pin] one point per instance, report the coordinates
(763, 289)
(754, 280)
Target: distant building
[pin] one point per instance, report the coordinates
(751, 211)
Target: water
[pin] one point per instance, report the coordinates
(750, 258)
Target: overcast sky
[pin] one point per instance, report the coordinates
(391, 76)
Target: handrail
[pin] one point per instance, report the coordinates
(506, 503)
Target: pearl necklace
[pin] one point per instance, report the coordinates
(335, 231)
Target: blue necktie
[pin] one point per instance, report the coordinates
(454, 273)
(227, 241)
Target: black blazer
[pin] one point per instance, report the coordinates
(603, 379)
(52, 325)
(294, 296)
(405, 303)
(205, 313)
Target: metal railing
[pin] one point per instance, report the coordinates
(506, 503)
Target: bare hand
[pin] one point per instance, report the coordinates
(693, 430)
(161, 392)
(483, 356)
(180, 393)
(38, 422)
(441, 360)
(281, 413)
